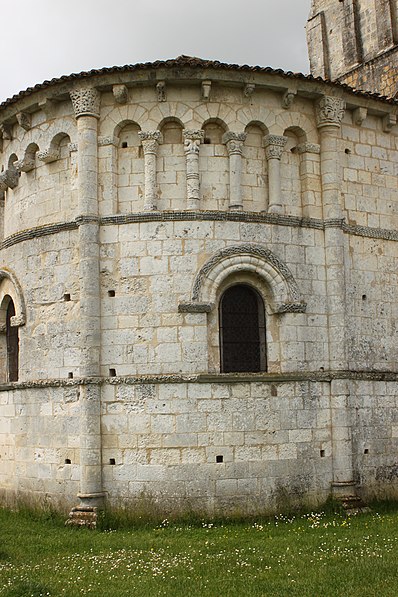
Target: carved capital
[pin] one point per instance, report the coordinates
(6, 131)
(72, 147)
(234, 142)
(150, 140)
(120, 93)
(359, 115)
(26, 164)
(17, 321)
(249, 89)
(274, 146)
(8, 179)
(48, 155)
(192, 140)
(288, 99)
(161, 91)
(308, 148)
(24, 120)
(330, 111)
(206, 88)
(86, 102)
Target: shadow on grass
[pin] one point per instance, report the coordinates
(27, 588)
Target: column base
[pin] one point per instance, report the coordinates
(342, 489)
(150, 207)
(237, 207)
(86, 513)
(346, 494)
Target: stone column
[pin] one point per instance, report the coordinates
(86, 106)
(309, 178)
(192, 141)
(234, 143)
(330, 112)
(274, 146)
(150, 142)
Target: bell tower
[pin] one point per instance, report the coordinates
(355, 42)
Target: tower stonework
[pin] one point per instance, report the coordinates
(355, 42)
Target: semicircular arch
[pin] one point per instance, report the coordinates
(9, 286)
(253, 260)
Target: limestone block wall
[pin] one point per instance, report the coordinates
(371, 299)
(212, 446)
(49, 341)
(217, 446)
(128, 209)
(150, 268)
(40, 444)
(375, 439)
(369, 165)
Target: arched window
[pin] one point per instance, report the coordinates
(242, 330)
(12, 340)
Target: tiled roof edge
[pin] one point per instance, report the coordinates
(192, 62)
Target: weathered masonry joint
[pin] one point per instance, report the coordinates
(198, 294)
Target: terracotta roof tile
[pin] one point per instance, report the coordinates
(192, 62)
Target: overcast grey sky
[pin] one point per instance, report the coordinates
(42, 39)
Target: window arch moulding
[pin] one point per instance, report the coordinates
(285, 296)
(9, 286)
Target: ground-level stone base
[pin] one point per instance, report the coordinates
(214, 445)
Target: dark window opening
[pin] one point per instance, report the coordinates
(242, 331)
(12, 344)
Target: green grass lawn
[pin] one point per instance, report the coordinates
(317, 555)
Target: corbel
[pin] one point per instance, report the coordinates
(48, 107)
(389, 120)
(120, 93)
(48, 155)
(6, 131)
(288, 98)
(249, 90)
(359, 115)
(161, 91)
(8, 179)
(24, 120)
(26, 164)
(206, 88)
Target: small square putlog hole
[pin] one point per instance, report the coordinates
(112, 372)
(68, 461)
(111, 293)
(70, 375)
(219, 458)
(67, 297)
(112, 461)
(322, 453)
(366, 451)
